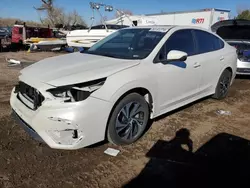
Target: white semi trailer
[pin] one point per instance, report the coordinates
(204, 18)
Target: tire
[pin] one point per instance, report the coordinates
(128, 120)
(223, 85)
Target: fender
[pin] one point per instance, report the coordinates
(133, 85)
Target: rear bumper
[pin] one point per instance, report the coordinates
(243, 68)
(243, 71)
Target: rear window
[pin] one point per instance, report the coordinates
(207, 42)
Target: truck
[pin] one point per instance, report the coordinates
(25, 35)
(5, 38)
(204, 18)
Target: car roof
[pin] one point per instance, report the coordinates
(168, 27)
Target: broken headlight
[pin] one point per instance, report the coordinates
(77, 92)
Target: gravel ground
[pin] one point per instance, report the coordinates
(191, 147)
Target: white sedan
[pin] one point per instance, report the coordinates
(114, 88)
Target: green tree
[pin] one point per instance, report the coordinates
(245, 14)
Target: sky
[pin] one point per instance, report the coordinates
(24, 10)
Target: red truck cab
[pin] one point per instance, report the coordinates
(21, 32)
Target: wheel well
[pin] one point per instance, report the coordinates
(143, 92)
(230, 69)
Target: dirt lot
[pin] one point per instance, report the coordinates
(191, 147)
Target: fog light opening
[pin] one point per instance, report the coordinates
(75, 134)
(66, 136)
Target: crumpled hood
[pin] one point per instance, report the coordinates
(74, 68)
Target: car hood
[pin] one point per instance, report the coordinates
(233, 29)
(74, 68)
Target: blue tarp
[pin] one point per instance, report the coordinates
(246, 53)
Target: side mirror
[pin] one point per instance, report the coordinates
(175, 55)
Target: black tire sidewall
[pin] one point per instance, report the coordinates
(226, 73)
(112, 135)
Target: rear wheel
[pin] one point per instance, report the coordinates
(128, 120)
(223, 85)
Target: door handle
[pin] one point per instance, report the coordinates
(196, 65)
(222, 58)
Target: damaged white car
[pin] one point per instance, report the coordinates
(114, 88)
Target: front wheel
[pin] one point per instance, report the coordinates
(128, 120)
(223, 85)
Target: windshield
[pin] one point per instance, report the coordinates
(128, 43)
(109, 27)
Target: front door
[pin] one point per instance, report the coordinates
(178, 81)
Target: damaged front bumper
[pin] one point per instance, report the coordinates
(26, 127)
(64, 125)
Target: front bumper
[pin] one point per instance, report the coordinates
(64, 125)
(26, 127)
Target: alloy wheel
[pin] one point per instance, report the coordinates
(130, 121)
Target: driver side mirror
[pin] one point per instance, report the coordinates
(175, 55)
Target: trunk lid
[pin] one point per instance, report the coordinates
(233, 29)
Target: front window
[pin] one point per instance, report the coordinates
(181, 40)
(128, 43)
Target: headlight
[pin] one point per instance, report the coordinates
(77, 92)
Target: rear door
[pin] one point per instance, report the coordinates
(210, 56)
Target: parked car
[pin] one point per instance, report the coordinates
(237, 34)
(114, 88)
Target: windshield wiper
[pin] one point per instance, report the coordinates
(108, 55)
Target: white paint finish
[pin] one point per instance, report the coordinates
(86, 38)
(176, 55)
(75, 68)
(204, 18)
(186, 19)
(220, 16)
(175, 83)
(141, 20)
(82, 114)
(171, 85)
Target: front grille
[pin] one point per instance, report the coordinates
(30, 93)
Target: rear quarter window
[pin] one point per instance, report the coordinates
(207, 42)
(222, 44)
